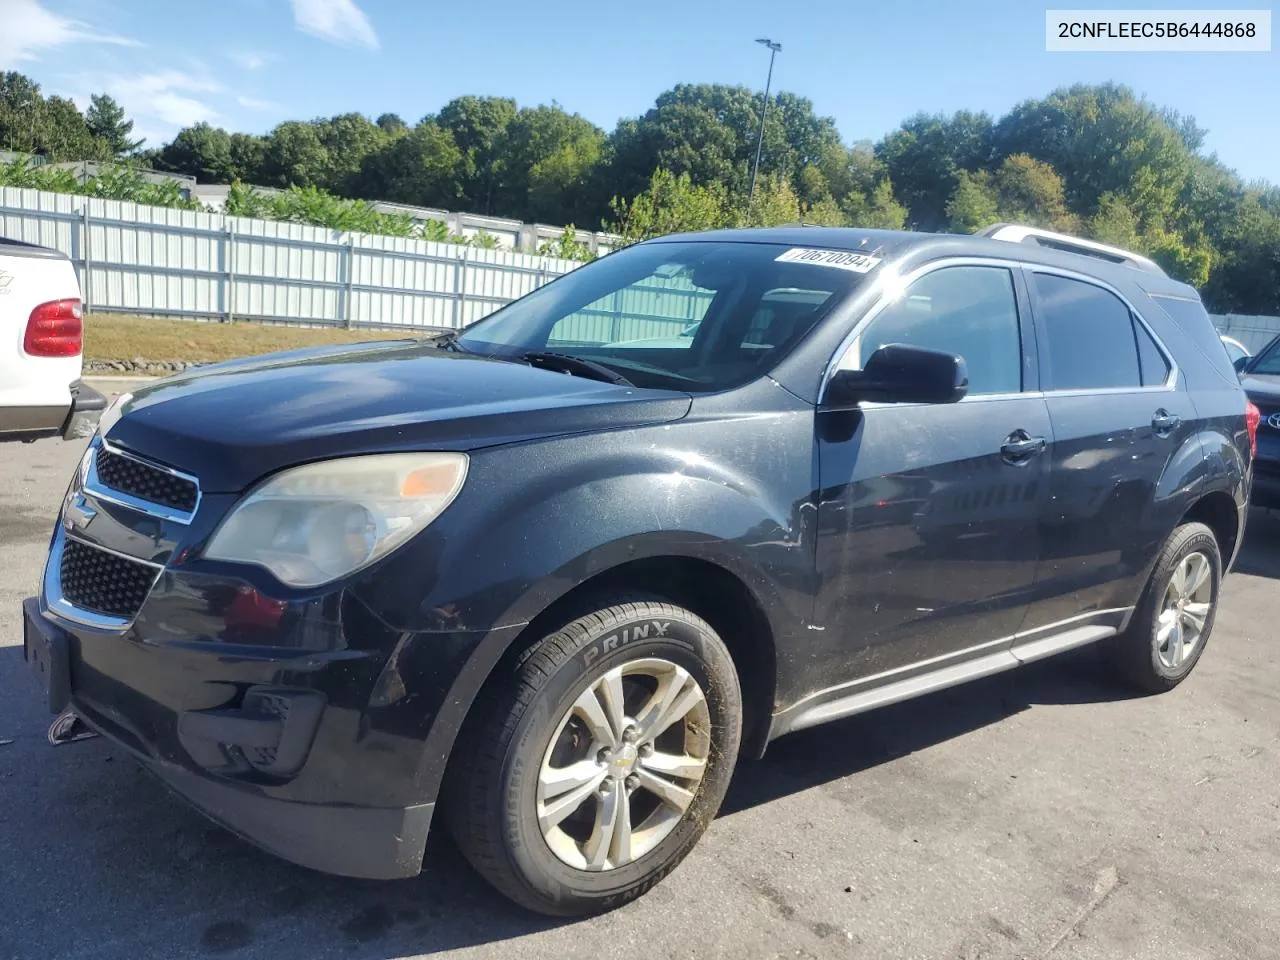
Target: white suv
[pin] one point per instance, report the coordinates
(42, 347)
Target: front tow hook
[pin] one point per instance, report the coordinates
(69, 728)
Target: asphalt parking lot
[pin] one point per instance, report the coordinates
(1042, 813)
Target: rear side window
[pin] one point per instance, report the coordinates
(1155, 368)
(1093, 342)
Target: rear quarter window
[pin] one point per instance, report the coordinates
(1194, 320)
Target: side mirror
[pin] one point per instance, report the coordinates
(1240, 363)
(897, 373)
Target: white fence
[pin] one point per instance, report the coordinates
(164, 262)
(1254, 332)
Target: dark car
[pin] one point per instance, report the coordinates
(547, 585)
(1260, 376)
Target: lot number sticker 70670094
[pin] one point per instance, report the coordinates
(840, 259)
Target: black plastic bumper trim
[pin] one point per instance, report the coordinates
(371, 843)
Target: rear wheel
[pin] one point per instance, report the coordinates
(1171, 626)
(592, 772)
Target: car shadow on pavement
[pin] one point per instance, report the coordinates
(1260, 555)
(101, 861)
(842, 748)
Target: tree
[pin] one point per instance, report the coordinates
(247, 153)
(973, 204)
(775, 203)
(671, 204)
(295, 156)
(546, 156)
(391, 124)
(1102, 140)
(478, 126)
(925, 156)
(345, 141)
(1115, 222)
(420, 168)
(201, 151)
(106, 120)
(1031, 192)
(709, 131)
(876, 209)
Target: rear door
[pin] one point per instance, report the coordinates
(1119, 413)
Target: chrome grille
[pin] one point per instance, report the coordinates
(131, 476)
(103, 582)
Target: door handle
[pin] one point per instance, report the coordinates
(1019, 446)
(1164, 422)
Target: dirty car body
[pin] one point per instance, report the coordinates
(875, 546)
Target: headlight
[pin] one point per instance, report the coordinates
(313, 524)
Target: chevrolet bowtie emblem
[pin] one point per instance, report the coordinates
(78, 513)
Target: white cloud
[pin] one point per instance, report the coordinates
(165, 96)
(338, 21)
(250, 59)
(28, 29)
(251, 103)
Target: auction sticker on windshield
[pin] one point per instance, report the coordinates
(841, 259)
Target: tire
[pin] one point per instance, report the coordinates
(1147, 655)
(502, 796)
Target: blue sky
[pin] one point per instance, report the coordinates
(249, 64)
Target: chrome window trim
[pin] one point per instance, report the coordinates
(97, 488)
(883, 299)
(51, 597)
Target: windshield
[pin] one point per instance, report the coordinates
(695, 316)
(1268, 361)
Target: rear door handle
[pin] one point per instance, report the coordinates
(1020, 446)
(1164, 422)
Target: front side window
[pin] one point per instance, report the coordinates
(971, 312)
(685, 315)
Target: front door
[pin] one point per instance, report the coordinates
(928, 517)
(1119, 414)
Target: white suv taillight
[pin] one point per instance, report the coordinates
(55, 329)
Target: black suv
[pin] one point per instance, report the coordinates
(1260, 375)
(554, 575)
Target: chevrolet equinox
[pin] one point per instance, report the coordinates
(548, 578)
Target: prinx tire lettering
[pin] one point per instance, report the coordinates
(620, 638)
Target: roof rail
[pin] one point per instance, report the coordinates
(1018, 233)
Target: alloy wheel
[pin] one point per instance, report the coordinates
(624, 764)
(1188, 599)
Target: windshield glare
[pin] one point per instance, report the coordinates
(695, 316)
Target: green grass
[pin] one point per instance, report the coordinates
(109, 337)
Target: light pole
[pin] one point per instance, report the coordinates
(755, 167)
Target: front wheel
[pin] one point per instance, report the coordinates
(1172, 623)
(593, 770)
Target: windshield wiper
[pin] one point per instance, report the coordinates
(567, 363)
(449, 341)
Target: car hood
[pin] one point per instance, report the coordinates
(1263, 387)
(235, 422)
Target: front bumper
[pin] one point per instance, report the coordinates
(247, 741)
